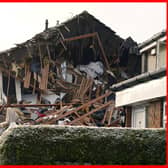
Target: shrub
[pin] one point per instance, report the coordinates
(53, 145)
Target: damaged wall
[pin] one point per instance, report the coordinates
(80, 58)
(57, 43)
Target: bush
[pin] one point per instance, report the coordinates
(53, 145)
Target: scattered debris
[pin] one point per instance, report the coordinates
(68, 69)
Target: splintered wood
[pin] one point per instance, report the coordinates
(91, 112)
(44, 78)
(45, 72)
(79, 115)
(85, 86)
(27, 76)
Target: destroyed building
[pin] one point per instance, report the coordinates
(70, 67)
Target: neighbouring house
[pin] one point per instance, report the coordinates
(72, 64)
(143, 97)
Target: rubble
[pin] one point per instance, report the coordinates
(69, 69)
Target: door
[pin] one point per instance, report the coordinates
(139, 118)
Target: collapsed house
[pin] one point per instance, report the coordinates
(69, 68)
(143, 97)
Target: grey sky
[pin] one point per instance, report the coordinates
(21, 21)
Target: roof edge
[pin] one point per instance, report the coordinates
(152, 39)
(145, 77)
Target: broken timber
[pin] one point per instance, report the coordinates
(81, 107)
(91, 112)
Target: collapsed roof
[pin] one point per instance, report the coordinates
(78, 60)
(83, 42)
(81, 24)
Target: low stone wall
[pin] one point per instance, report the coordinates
(52, 145)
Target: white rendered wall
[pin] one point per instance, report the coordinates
(141, 92)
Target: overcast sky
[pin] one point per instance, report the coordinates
(21, 21)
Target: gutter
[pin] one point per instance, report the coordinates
(145, 77)
(152, 39)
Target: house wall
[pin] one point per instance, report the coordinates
(143, 63)
(142, 92)
(157, 59)
(153, 114)
(153, 58)
(162, 56)
(151, 63)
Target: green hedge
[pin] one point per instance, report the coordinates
(52, 145)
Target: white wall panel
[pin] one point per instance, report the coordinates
(141, 92)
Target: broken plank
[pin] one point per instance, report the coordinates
(83, 106)
(111, 112)
(103, 52)
(54, 113)
(91, 112)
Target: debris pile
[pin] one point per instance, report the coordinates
(69, 69)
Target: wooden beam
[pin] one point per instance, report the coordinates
(103, 52)
(54, 113)
(30, 105)
(104, 118)
(80, 37)
(91, 112)
(83, 106)
(111, 113)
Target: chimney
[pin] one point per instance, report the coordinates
(57, 23)
(46, 24)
